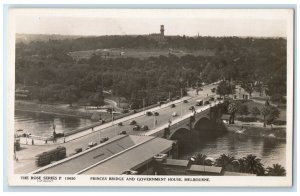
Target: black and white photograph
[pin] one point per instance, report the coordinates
(150, 97)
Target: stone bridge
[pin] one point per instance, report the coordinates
(204, 121)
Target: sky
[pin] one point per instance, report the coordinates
(257, 23)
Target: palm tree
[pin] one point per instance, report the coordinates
(232, 108)
(199, 159)
(226, 162)
(276, 170)
(253, 165)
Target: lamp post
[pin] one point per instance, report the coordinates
(100, 135)
(144, 105)
(181, 102)
(112, 120)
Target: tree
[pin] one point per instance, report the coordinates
(253, 165)
(270, 114)
(255, 111)
(96, 99)
(232, 109)
(243, 110)
(278, 98)
(70, 94)
(226, 162)
(199, 159)
(224, 88)
(276, 170)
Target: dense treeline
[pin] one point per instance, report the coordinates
(57, 77)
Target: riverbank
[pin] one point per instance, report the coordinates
(257, 131)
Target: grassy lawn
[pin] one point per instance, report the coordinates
(251, 104)
(141, 53)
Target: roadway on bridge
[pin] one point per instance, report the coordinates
(26, 160)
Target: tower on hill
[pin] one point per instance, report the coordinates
(162, 30)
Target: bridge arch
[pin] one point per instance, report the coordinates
(203, 125)
(180, 134)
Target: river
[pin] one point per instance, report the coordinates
(41, 124)
(269, 151)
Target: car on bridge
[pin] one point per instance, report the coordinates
(174, 114)
(192, 108)
(122, 133)
(91, 145)
(136, 128)
(120, 124)
(206, 102)
(144, 128)
(199, 102)
(102, 140)
(149, 113)
(133, 122)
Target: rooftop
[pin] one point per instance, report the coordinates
(226, 173)
(112, 157)
(131, 158)
(204, 168)
(176, 162)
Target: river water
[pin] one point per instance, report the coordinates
(269, 151)
(41, 124)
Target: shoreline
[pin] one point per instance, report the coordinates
(54, 113)
(257, 131)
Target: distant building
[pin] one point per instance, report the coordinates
(159, 37)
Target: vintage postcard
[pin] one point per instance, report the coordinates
(150, 97)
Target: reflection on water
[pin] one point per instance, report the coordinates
(270, 151)
(41, 124)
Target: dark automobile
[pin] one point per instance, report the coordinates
(92, 144)
(102, 140)
(213, 90)
(192, 108)
(78, 150)
(133, 122)
(149, 113)
(123, 133)
(173, 105)
(185, 101)
(136, 128)
(120, 124)
(156, 114)
(211, 99)
(144, 128)
(206, 103)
